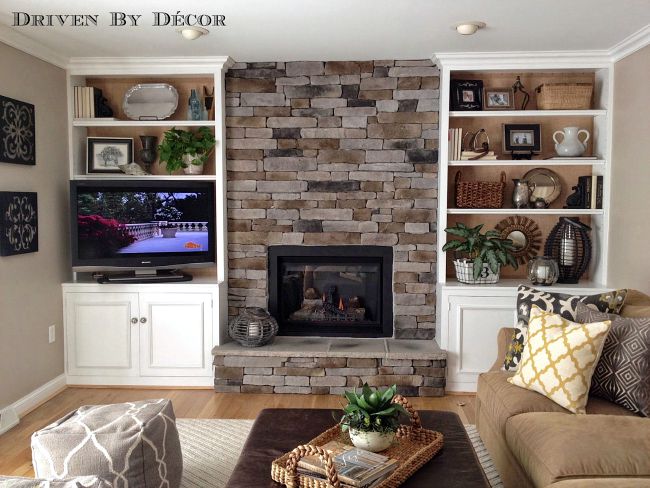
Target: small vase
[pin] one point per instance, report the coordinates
(194, 107)
(571, 145)
(371, 441)
(192, 169)
(148, 152)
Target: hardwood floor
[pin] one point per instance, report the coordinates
(15, 453)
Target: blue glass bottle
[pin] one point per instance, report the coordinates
(194, 107)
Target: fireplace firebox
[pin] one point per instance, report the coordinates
(343, 291)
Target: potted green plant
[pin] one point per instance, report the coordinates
(484, 254)
(186, 149)
(371, 418)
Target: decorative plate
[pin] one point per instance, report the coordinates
(150, 101)
(547, 184)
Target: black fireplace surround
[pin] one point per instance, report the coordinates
(343, 291)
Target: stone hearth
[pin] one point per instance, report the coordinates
(330, 366)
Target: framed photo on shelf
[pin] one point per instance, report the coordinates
(522, 139)
(107, 154)
(498, 99)
(466, 95)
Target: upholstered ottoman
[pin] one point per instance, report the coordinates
(79, 482)
(132, 445)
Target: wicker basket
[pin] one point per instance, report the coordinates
(479, 194)
(413, 448)
(564, 96)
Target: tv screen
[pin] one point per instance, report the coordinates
(141, 224)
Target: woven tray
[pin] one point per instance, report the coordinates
(413, 448)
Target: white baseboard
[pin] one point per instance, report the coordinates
(9, 416)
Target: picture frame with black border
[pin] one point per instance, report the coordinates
(522, 138)
(498, 99)
(466, 95)
(107, 154)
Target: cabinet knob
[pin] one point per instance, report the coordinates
(134, 320)
(143, 320)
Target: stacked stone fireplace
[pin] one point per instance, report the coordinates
(335, 154)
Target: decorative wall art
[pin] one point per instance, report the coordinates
(524, 234)
(17, 132)
(18, 223)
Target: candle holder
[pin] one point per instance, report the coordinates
(543, 271)
(570, 246)
(253, 327)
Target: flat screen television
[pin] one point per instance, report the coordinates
(118, 224)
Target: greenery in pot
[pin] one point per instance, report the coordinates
(178, 143)
(372, 410)
(488, 248)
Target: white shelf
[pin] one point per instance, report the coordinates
(524, 211)
(142, 123)
(528, 162)
(118, 176)
(528, 113)
(515, 282)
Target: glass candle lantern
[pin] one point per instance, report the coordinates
(543, 270)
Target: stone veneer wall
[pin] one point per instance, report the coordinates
(324, 153)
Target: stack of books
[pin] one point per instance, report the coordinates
(591, 189)
(467, 155)
(356, 467)
(455, 144)
(86, 102)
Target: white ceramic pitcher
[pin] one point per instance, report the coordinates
(571, 145)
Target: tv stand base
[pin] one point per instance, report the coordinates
(148, 276)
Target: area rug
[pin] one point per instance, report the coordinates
(211, 448)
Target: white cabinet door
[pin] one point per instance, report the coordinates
(473, 325)
(102, 333)
(175, 334)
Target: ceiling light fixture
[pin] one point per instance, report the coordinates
(192, 33)
(469, 28)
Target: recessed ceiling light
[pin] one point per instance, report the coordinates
(469, 28)
(192, 33)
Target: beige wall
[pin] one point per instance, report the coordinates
(629, 263)
(30, 291)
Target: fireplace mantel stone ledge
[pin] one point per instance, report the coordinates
(320, 366)
(319, 347)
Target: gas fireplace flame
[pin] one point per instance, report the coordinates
(341, 306)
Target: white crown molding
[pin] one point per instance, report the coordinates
(631, 44)
(148, 65)
(507, 60)
(23, 43)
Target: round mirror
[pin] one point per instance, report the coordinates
(518, 239)
(524, 234)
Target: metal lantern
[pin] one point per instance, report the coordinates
(253, 327)
(543, 270)
(569, 244)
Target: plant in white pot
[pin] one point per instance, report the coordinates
(371, 418)
(484, 254)
(186, 149)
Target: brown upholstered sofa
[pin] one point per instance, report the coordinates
(536, 443)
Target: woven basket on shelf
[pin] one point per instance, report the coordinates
(479, 194)
(413, 448)
(564, 96)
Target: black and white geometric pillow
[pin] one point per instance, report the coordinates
(622, 374)
(558, 303)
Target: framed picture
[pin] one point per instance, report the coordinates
(522, 138)
(18, 130)
(466, 95)
(498, 99)
(18, 223)
(107, 154)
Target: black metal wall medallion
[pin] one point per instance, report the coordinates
(17, 132)
(18, 223)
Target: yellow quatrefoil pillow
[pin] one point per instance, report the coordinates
(560, 358)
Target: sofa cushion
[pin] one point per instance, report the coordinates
(603, 483)
(637, 304)
(560, 358)
(127, 444)
(560, 303)
(80, 482)
(622, 375)
(501, 400)
(554, 446)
